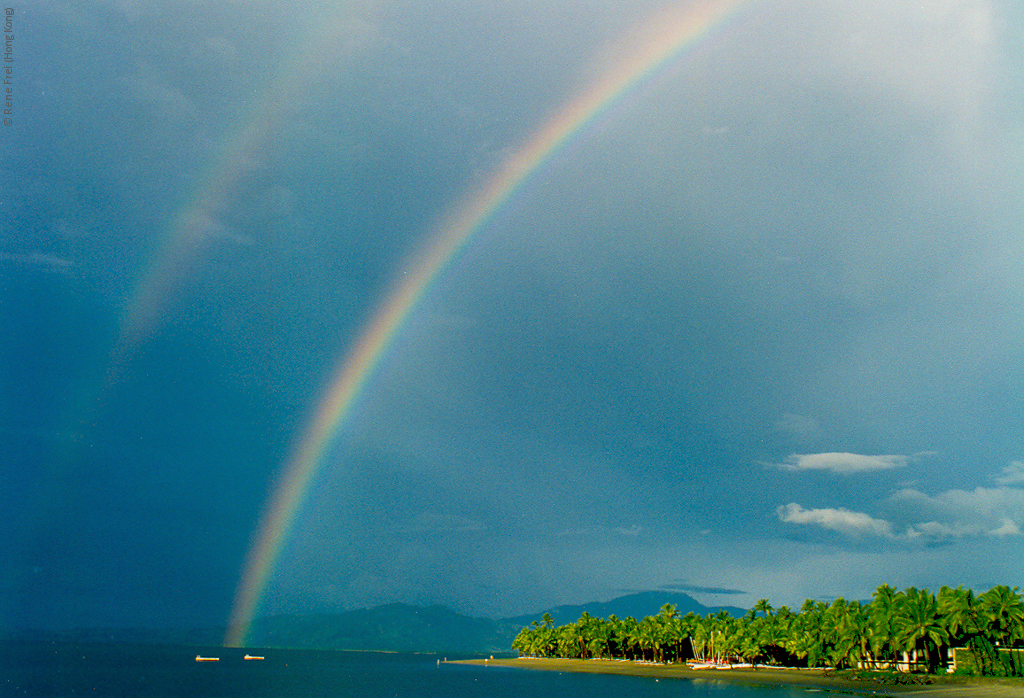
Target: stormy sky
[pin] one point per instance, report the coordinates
(758, 331)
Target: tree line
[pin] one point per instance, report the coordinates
(910, 629)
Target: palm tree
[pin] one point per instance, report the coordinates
(521, 644)
(919, 626)
(583, 632)
(841, 633)
(771, 638)
(863, 630)
(807, 640)
(676, 633)
(882, 615)
(961, 612)
(745, 640)
(631, 636)
(763, 606)
(649, 637)
(1004, 613)
(549, 642)
(570, 640)
(700, 635)
(599, 637)
(615, 644)
(850, 633)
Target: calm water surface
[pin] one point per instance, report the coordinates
(52, 670)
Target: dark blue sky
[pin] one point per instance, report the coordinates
(759, 332)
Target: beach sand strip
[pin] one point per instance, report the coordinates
(943, 686)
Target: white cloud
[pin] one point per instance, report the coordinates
(853, 523)
(960, 513)
(842, 463)
(953, 514)
(1009, 528)
(1013, 474)
(936, 530)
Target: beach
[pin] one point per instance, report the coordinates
(942, 686)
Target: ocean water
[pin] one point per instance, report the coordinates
(62, 670)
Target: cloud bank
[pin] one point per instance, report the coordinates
(842, 463)
(1013, 474)
(960, 513)
(851, 523)
(696, 589)
(916, 516)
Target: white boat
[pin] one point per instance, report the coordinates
(249, 656)
(207, 659)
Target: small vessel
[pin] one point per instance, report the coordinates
(249, 657)
(200, 658)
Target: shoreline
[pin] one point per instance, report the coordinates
(944, 687)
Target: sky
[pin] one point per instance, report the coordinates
(750, 327)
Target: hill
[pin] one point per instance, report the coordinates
(404, 628)
(646, 603)
(394, 628)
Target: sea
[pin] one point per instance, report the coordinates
(107, 670)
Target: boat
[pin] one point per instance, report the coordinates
(249, 657)
(207, 659)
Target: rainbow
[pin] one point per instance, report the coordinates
(670, 37)
(196, 222)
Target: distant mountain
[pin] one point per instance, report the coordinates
(395, 627)
(405, 628)
(646, 603)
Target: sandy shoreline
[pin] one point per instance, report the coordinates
(944, 687)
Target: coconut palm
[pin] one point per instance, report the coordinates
(523, 642)
(631, 636)
(771, 638)
(807, 640)
(763, 606)
(919, 625)
(649, 636)
(961, 611)
(864, 630)
(882, 614)
(1004, 613)
(615, 645)
(569, 640)
(915, 622)
(598, 639)
(700, 637)
(584, 631)
(843, 631)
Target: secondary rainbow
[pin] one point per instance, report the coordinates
(671, 36)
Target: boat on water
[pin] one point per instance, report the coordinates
(200, 658)
(250, 657)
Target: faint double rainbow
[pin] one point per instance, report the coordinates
(671, 36)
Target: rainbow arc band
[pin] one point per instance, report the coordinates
(673, 36)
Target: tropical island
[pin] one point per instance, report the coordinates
(900, 640)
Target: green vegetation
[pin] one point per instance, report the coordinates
(909, 630)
